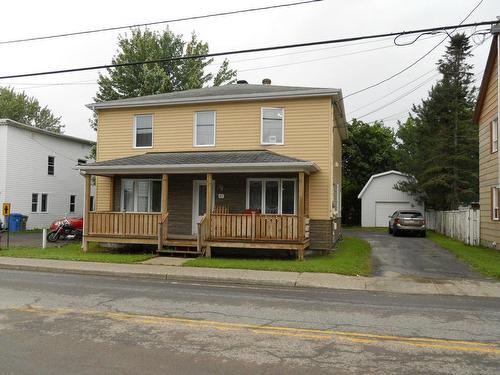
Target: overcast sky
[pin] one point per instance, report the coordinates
(346, 66)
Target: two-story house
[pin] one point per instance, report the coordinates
(486, 116)
(37, 172)
(239, 166)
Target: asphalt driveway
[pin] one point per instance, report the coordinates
(412, 257)
(28, 239)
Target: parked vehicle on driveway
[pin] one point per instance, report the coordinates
(407, 221)
(66, 229)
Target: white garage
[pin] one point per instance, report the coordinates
(379, 199)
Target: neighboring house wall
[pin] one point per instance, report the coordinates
(489, 174)
(309, 134)
(380, 200)
(27, 173)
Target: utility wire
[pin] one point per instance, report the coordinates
(249, 50)
(92, 31)
(409, 92)
(460, 25)
(393, 91)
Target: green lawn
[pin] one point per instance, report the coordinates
(351, 257)
(74, 252)
(482, 259)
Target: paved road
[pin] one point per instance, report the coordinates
(73, 324)
(414, 257)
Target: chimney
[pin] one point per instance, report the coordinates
(241, 82)
(266, 81)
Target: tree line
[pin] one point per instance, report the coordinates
(437, 146)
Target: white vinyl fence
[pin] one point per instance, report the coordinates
(461, 224)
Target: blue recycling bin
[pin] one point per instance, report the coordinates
(15, 222)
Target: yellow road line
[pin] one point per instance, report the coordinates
(315, 334)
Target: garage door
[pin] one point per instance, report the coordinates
(385, 209)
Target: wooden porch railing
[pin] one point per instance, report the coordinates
(257, 227)
(126, 224)
(202, 234)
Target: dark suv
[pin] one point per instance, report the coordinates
(407, 221)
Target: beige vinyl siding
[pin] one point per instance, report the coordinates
(308, 123)
(488, 162)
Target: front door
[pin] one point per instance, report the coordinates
(199, 202)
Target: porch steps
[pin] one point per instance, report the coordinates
(176, 251)
(180, 244)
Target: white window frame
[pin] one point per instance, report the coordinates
(74, 204)
(53, 165)
(262, 127)
(136, 193)
(495, 203)
(134, 141)
(39, 203)
(494, 135)
(280, 195)
(195, 127)
(46, 203)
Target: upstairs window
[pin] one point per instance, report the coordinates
(143, 131)
(51, 164)
(72, 203)
(494, 135)
(273, 126)
(495, 198)
(204, 133)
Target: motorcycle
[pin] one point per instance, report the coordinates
(66, 229)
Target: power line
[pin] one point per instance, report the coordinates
(242, 51)
(460, 25)
(400, 97)
(409, 92)
(92, 31)
(393, 91)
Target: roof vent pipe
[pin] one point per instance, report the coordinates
(241, 82)
(266, 81)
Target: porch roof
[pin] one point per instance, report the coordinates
(201, 162)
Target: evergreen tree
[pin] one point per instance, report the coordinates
(25, 109)
(439, 144)
(158, 78)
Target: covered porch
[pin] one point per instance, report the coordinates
(198, 201)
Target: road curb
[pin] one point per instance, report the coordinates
(284, 279)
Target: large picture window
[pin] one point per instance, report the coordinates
(272, 195)
(204, 128)
(143, 131)
(141, 195)
(273, 126)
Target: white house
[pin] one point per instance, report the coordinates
(379, 199)
(37, 172)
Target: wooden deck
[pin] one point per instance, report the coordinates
(217, 228)
(246, 231)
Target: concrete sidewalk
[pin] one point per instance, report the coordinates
(470, 288)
